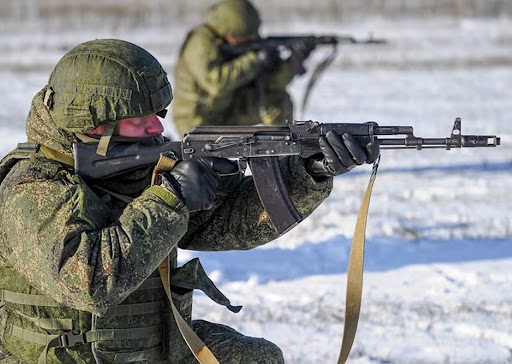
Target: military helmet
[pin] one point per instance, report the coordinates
(105, 80)
(238, 18)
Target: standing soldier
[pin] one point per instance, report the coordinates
(250, 89)
(81, 272)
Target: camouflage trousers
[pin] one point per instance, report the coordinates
(228, 345)
(231, 347)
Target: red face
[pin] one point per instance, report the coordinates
(237, 40)
(145, 126)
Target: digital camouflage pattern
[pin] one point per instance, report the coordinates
(210, 90)
(86, 252)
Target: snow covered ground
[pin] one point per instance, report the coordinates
(438, 264)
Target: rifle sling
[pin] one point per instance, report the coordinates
(353, 296)
(320, 68)
(195, 344)
(355, 273)
(57, 156)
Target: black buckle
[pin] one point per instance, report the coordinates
(71, 339)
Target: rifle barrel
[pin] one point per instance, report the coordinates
(466, 141)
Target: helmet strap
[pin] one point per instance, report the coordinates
(105, 138)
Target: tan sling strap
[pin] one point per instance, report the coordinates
(355, 273)
(57, 156)
(48, 152)
(165, 163)
(354, 285)
(195, 344)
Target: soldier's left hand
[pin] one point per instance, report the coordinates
(340, 154)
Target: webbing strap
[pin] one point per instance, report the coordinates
(49, 323)
(150, 283)
(71, 339)
(57, 156)
(355, 273)
(27, 299)
(30, 336)
(195, 344)
(131, 333)
(135, 309)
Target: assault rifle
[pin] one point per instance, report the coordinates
(293, 43)
(262, 147)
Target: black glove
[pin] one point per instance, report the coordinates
(195, 181)
(229, 181)
(230, 175)
(303, 48)
(269, 58)
(340, 155)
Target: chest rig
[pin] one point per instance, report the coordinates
(36, 329)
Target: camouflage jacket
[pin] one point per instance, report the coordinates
(80, 251)
(212, 91)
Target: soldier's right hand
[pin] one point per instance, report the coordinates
(195, 181)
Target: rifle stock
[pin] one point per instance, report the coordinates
(263, 146)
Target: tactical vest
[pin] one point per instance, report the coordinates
(141, 329)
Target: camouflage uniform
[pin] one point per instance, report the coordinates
(212, 91)
(79, 263)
